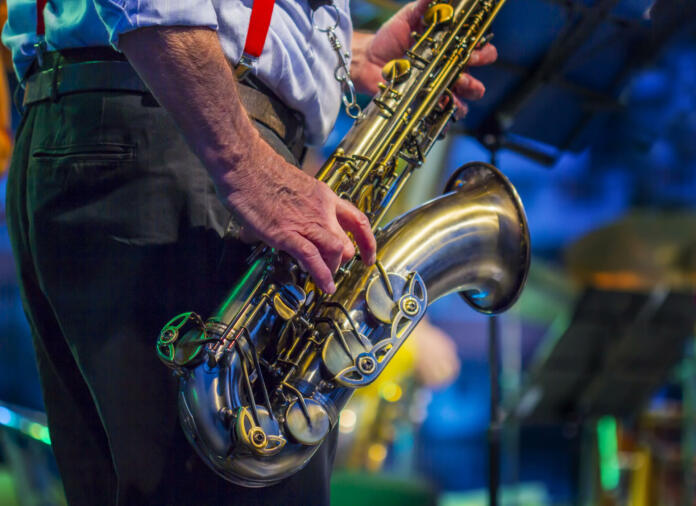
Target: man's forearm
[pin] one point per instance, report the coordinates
(188, 73)
(186, 70)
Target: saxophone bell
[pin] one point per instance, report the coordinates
(495, 292)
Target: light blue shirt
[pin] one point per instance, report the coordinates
(297, 62)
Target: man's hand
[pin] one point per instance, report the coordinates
(372, 51)
(274, 200)
(298, 214)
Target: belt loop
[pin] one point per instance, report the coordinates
(54, 80)
(40, 48)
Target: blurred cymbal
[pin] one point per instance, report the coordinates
(637, 253)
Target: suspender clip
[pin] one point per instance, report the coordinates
(245, 64)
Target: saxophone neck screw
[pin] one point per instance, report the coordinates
(410, 306)
(366, 364)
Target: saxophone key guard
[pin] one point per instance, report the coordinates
(399, 301)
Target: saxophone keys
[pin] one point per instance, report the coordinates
(337, 360)
(288, 300)
(260, 439)
(172, 330)
(308, 426)
(438, 14)
(179, 342)
(382, 295)
(396, 71)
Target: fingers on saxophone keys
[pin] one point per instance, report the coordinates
(348, 248)
(354, 221)
(468, 87)
(312, 260)
(484, 56)
(342, 239)
(341, 249)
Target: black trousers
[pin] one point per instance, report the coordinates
(115, 228)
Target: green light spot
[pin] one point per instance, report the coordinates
(44, 436)
(39, 432)
(13, 420)
(608, 453)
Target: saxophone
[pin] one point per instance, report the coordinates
(262, 382)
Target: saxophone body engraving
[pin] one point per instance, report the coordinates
(262, 381)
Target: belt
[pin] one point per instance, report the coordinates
(102, 69)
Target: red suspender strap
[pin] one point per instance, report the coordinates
(259, 23)
(40, 26)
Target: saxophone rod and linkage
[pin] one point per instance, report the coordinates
(396, 131)
(445, 78)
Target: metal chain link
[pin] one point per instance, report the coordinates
(342, 71)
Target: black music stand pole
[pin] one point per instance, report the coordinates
(494, 424)
(494, 429)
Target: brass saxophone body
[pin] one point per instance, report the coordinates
(262, 382)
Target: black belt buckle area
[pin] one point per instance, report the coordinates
(86, 76)
(115, 75)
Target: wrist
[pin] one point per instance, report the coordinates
(231, 166)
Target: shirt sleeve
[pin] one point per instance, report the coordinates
(120, 16)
